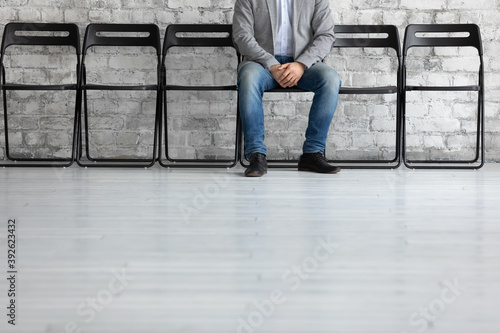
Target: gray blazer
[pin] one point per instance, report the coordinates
(255, 29)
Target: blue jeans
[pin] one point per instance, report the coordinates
(254, 79)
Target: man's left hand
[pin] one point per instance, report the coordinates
(292, 72)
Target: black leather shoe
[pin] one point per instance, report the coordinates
(258, 165)
(316, 162)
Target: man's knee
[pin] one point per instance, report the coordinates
(250, 76)
(325, 77)
(332, 79)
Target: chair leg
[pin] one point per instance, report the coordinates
(33, 162)
(474, 164)
(170, 162)
(110, 162)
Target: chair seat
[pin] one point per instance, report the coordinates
(287, 90)
(199, 88)
(442, 88)
(15, 86)
(369, 90)
(111, 87)
(344, 90)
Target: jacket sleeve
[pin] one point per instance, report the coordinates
(244, 35)
(323, 35)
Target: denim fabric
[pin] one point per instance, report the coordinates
(254, 79)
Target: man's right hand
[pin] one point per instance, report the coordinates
(287, 75)
(276, 72)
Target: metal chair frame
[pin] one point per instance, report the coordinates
(38, 34)
(173, 39)
(93, 38)
(472, 40)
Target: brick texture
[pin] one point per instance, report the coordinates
(202, 124)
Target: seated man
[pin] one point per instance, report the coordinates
(283, 43)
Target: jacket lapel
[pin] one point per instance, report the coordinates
(297, 6)
(273, 12)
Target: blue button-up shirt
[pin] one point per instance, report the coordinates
(283, 45)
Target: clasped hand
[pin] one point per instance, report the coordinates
(287, 75)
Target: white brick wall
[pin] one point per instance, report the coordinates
(202, 124)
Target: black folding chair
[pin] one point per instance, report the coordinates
(431, 35)
(119, 35)
(205, 35)
(390, 41)
(60, 36)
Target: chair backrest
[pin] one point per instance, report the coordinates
(173, 38)
(39, 34)
(391, 40)
(197, 35)
(118, 35)
(434, 36)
